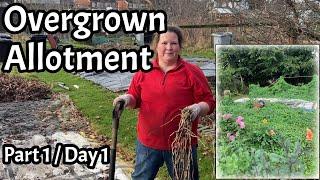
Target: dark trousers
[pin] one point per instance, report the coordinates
(148, 162)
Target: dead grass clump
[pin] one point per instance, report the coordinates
(181, 147)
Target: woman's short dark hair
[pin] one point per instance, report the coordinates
(174, 29)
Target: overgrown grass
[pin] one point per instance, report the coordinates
(290, 122)
(196, 52)
(281, 89)
(286, 122)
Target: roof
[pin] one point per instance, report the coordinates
(82, 3)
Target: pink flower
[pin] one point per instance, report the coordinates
(232, 137)
(227, 116)
(242, 125)
(239, 119)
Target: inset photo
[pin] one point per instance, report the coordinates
(267, 111)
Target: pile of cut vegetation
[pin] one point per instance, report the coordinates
(14, 88)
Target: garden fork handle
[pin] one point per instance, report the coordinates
(115, 125)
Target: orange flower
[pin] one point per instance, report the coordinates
(309, 135)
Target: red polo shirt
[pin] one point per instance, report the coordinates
(161, 97)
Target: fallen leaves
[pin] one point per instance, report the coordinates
(14, 88)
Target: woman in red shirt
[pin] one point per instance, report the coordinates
(160, 94)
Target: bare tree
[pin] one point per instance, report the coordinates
(260, 22)
(184, 12)
(282, 21)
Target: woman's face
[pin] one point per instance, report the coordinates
(168, 47)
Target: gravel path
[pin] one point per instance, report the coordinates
(41, 123)
(20, 120)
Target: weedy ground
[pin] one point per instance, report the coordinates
(277, 141)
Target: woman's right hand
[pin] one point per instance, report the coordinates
(125, 97)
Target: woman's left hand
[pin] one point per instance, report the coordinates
(198, 109)
(195, 111)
